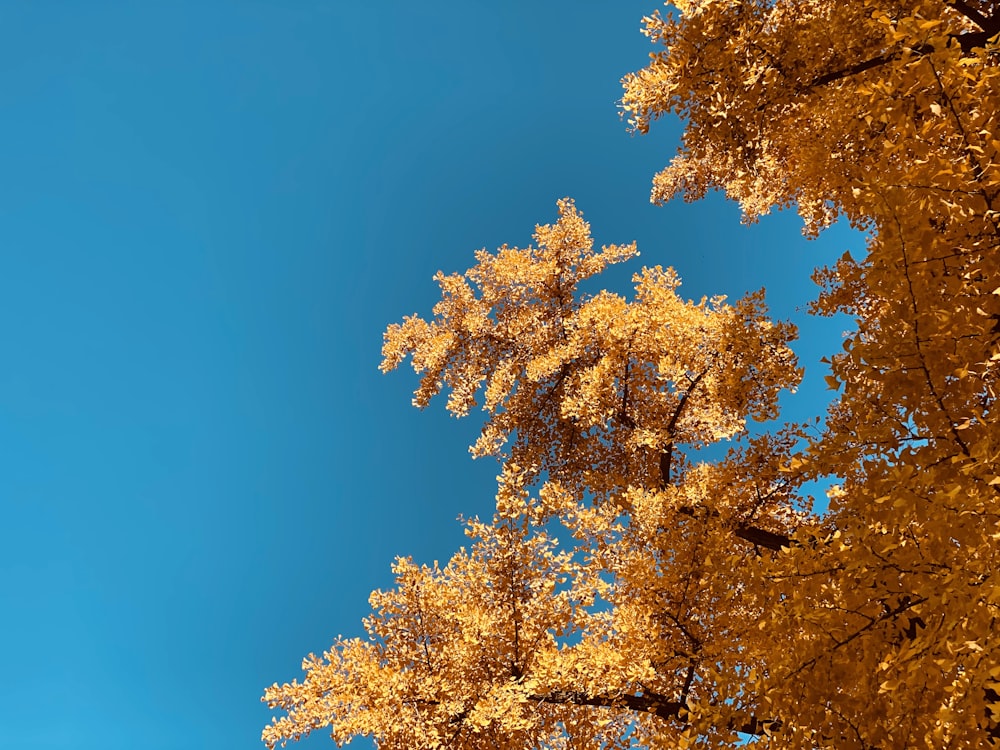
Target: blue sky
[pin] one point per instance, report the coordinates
(209, 211)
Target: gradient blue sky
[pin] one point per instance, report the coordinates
(209, 211)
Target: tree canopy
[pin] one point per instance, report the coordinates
(698, 602)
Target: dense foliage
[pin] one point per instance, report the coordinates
(697, 603)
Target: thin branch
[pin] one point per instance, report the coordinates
(907, 605)
(861, 67)
(666, 457)
(968, 41)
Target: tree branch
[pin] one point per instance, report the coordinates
(968, 41)
(667, 456)
(861, 67)
(651, 703)
(972, 14)
(762, 538)
(752, 534)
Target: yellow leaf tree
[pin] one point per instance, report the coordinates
(594, 404)
(698, 601)
(885, 114)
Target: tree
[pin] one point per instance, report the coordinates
(702, 600)
(883, 113)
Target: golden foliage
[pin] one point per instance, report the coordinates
(589, 391)
(596, 402)
(884, 113)
(699, 600)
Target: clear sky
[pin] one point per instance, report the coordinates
(209, 211)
